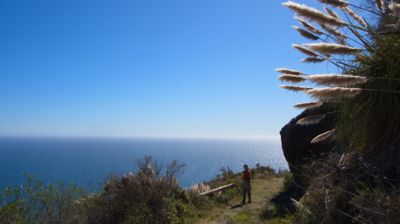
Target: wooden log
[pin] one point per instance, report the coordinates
(218, 189)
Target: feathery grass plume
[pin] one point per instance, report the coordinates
(299, 206)
(332, 30)
(313, 119)
(313, 14)
(380, 4)
(340, 37)
(313, 60)
(291, 78)
(308, 26)
(304, 50)
(306, 33)
(361, 57)
(341, 40)
(288, 71)
(308, 105)
(334, 92)
(336, 3)
(331, 48)
(328, 135)
(336, 79)
(296, 88)
(394, 6)
(332, 13)
(355, 16)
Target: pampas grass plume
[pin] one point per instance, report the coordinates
(329, 93)
(361, 57)
(332, 13)
(308, 26)
(380, 4)
(304, 50)
(355, 16)
(329, 135)
(308, 105)
(313, 119)
(336, 79)
(296, 88)
(394, 6)
(288, 71)
(334, 31)
(336, 3)
(291, 78)
(331, 48)
(306, 33)
(300, 206)
(313, 14)
(313, 60)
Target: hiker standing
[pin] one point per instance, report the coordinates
(246, 186)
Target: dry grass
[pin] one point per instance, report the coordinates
(334, 92)
(326, 136)
(296, 88)
(308, 105)
(355, 16)
(291, 78)
(331, 12)
(308, 26)
(380, 4)
(305, 50)
(288, 71)
(313, 119)
(336, 3)
(263, 190)
(313, 60)
(306, 33)
(331, 48)
(337, 79)
(313, 14)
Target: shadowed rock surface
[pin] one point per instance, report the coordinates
(296, 139)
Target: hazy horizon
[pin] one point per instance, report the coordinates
(264, 137)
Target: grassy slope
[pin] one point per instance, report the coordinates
(263, 190)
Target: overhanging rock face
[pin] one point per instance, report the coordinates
(298, 150)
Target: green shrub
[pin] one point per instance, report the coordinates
(371, 121)
(151, 195)
(35, 202)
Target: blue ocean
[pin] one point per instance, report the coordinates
(88, 162)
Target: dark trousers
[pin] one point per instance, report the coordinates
(246, 191)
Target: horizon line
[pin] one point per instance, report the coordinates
(149, 136)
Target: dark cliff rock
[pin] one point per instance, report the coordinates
(296, 144)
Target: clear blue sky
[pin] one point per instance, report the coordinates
(145, 68)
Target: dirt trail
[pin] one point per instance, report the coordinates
(263, 191)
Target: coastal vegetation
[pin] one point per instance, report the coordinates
(150, 195)
(351, 134)
(354, 178)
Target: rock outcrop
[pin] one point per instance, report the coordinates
(296, 144)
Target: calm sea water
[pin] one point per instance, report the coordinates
(88, 162)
